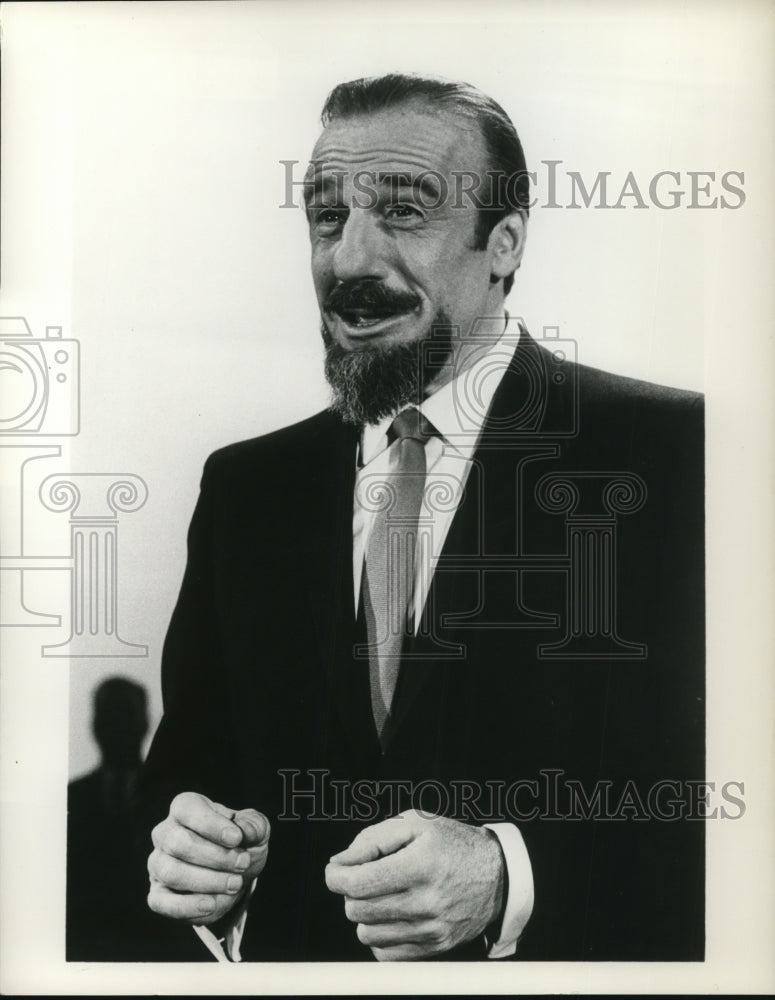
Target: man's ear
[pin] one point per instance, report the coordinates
(506, 244)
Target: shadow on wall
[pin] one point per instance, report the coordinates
(107, 916)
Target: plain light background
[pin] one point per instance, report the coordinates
(141, 185)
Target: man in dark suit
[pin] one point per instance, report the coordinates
(101, 864)
(447, 635)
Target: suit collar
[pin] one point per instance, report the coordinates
(458, 409)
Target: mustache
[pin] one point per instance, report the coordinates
(369, 295)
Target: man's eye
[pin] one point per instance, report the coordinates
(329, 217)
(403, 212)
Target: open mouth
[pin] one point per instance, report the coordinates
(364, 318)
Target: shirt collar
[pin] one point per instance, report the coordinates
(458, 424)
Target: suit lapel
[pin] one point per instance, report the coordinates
(485, 518)
(324, 557)
(485, 522)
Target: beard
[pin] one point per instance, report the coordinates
(372, 382)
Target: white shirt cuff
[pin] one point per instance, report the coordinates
(227, 948)
(519, 902)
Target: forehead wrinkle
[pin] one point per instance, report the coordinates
(385, 166)
(399, 156)
(418, 154)
(434, 148)
(425, 136)
(338, 159)
(417, 147)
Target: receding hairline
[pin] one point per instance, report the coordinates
(466, 119)
(469, 127)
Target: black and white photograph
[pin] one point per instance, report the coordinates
(386, 454)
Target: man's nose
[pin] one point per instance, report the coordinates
(360, 252)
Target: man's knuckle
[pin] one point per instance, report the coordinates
(179, 841)
(333, 879)
(436, 936)
(365, 838)
(364, 933)
(257, 850)
(351, 909)
(165, 869)
(267, 824)
(433, 902)
(182, 804)
(158, 833)
(179, 802)
(154, 900)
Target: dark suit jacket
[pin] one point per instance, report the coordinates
(563, 642)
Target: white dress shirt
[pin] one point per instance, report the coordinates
(457, 412)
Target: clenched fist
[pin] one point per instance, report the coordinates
(418, 886)
(204, 858)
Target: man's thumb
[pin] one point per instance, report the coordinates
(254, 825)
